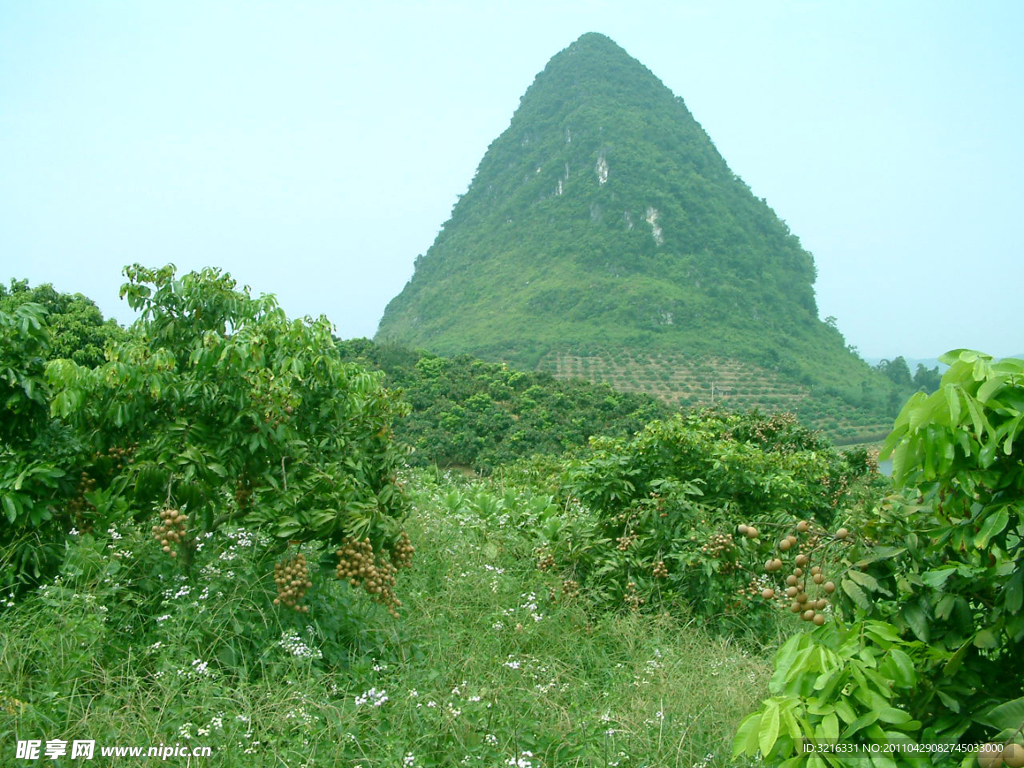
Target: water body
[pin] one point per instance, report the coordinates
(885, 467)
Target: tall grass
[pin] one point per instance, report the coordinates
(482, 669)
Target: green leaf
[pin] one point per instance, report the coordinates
(936, 578)
(992, 526)
(287, 527)
(10, 509)
(868, 718)
(893, 716)
(917, 620)
(745, 741)
(856, 594)
(1014, 590)
(986, 638)
(830, 726)
(955, 659)
(949, 701)
(903, 668)
(865, 580)
(846, 711)
(769, 732)
(1007, 715)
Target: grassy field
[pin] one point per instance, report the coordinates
(482, 668)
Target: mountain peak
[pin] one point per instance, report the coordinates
(604, 218)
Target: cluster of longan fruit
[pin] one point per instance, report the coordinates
(358, 565)
(1009, 754)
(401, 555)
(171, 530)
(292, 578)
(632, 599)
(717, 544)
(797, 581)
(660, 569)
(547, 562)
(625, 542)
(119, 456)
(243, 495)
(78, 505)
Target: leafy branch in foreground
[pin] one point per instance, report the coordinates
(936, 576)
(229, 412)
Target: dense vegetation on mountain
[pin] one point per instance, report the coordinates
(604, 220)
(467, 412)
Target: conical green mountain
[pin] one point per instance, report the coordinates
(604, 235)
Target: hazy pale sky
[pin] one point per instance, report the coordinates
(314, 149)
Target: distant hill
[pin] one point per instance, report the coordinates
(604, 236)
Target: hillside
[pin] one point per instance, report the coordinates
(604, 223)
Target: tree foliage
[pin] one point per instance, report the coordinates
(938, 571)
(467, 412)
(659, 515)
(77, 329)
(215, 409)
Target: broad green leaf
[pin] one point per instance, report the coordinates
(905, 675)
(856, 594)
(882, 631)
(11, 509)
(949, 701)
(993, 526)
(917, 620)
(893, 716)
(990, 387)
(830, 726)
(845, 711)
(1007, 715)
(945, 607)
(936, 578)
(868, 718)
(952, 394)
(789, 720)
(1012, 430)
(865, 580)
(1014, 590)
(986, 638)
(769, 731)
(287, 527)
(882, 760)
(745, 740)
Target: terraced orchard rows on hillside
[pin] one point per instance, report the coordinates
(701, 381)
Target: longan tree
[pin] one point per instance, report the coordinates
(218, 409)
(928, 644)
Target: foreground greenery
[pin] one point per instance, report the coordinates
(201, 533)
(482, 668)
(929, 646)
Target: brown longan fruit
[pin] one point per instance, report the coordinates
(1013, 756)
(990, 755)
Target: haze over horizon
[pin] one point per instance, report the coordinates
(314, 150)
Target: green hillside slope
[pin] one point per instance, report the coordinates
(604, 222)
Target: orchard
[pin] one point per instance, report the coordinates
(214, 412)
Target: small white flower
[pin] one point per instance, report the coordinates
(372, 696)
